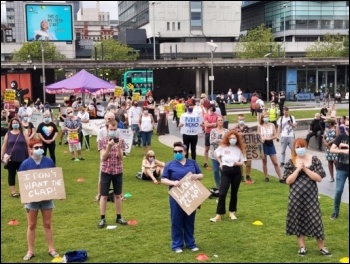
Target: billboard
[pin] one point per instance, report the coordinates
(49, 22)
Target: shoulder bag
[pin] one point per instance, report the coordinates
(7, 157)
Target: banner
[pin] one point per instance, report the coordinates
(41, 184)
(36, 118)
(190, 194)
(127, 135)
(191, 124)
(253, 145)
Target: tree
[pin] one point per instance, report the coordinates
(32, 51)
(330, 46)
(113, 50)
(257, 43)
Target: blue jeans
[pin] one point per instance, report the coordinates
(216, 170)
(135, 128)
(339, 187)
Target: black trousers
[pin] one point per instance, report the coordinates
(190, 140)
(317, 134)
(51, 148)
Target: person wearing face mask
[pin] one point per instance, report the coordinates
(221, 101)
(163, 112)
(209, 123)
(231, 155)
(86, 130)
(242, 128)
(302, 173)
(268, 133)
(328, 139)
(28, 127)
(47, 131)
(151, 106)
(146, 124)
(134, 114)
(340, 146)
(16, 145)
(182, 225)
(151, 167)
(38, 161)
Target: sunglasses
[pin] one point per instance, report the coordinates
(38, 147)
(69, 113)
(151, 156)
(178, 151)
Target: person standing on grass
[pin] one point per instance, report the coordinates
(328, 139)
(146, 124)
(34, 162)
(111, 154)
(302, 173)
(340, 146)
(210, 122)
(231, 156)
(242, 128)
(182, 225)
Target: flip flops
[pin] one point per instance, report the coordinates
(53, 253)
(14, 195)
(28, 256)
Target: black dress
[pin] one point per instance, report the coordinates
(163, 127)
(304, 213)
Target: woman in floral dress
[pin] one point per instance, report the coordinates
(302, 172)
(328, 139)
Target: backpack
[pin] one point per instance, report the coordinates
(290, 117)
(76, 256)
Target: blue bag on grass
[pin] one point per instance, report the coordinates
(76, 256)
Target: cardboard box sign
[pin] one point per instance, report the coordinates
(41, 184)
(190, 194)
(254, 147)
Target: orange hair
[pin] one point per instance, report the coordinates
(34, 141)
(240, 144)
(298, 142)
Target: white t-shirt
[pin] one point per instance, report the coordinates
(229, 155)
(286, 128)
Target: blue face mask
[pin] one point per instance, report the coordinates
(47, 119)
(300, 151)
(38, 152)
(233, 141)
(111, 134)
(266, 119)
(178, 156)
(25, 118)
(15, 126)
(241, 122)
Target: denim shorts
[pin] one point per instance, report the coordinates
(43, 205)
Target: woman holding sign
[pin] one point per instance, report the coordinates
(182, 225)
(34, 162)
(231, 157)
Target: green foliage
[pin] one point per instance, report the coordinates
(32, 51)
(113, 50)
(331, 46)
(257, 43)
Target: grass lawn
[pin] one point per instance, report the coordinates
(75, 220)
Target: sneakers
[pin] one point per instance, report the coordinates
(121, 221)
(233, 216)
(178, 250)
(334, 216)
(242, 180)
(325, 252)
(282, 181)
(217, 218)
(194, 249)
(267, 179)
(302, 251)
(102, 223)
(248, 179)
(205, 165)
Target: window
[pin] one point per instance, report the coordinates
(178, 26)
(173, 26)
(168, 26)
(196, 14)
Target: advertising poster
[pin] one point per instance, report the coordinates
(49, 22)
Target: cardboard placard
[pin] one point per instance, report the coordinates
(191, 124)
(41, 184)
(253, 145)
(190, 194)
(127, 135)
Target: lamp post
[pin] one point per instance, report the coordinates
(43, 67)
(153, 3)
(267, 74)
(211, 77)
(284, 6)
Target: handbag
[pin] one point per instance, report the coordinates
(7, 157)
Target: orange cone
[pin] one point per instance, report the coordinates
(202, 257)
(132, 222)
(13, 222)
(80, 180)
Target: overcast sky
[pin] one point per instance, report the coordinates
(111, 7)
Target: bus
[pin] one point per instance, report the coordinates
(139, 81)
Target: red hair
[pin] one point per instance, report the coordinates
(226, 141)
(34, 141)
(298, 142)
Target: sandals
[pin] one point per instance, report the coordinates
(15, 195)
(28, 256)
(53, 253)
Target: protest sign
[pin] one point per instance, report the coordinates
(190, 194)
(41, 184)
(118, 92)
(73, 137)
(95, 125)
(253, 145)
(136, 96)
(9, 95)
(36, 118)
(127, 136)
(191, 124)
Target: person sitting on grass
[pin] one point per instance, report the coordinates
(151, 167)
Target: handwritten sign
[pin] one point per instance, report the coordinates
(73, 137)
(41, 184)
(127, 136)
(36, 118)
(10, 95)
(118, 92)
(253, 145)
(191, 124)
(136, 96)
(190, 194)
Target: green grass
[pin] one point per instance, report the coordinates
(75, 220)
(298, 114)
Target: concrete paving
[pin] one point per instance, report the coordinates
(325, 187)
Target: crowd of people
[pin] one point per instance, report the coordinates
(27, 145)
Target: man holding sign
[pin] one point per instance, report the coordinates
(182, 225)
(38, 161)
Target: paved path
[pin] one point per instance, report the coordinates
(325, 187)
